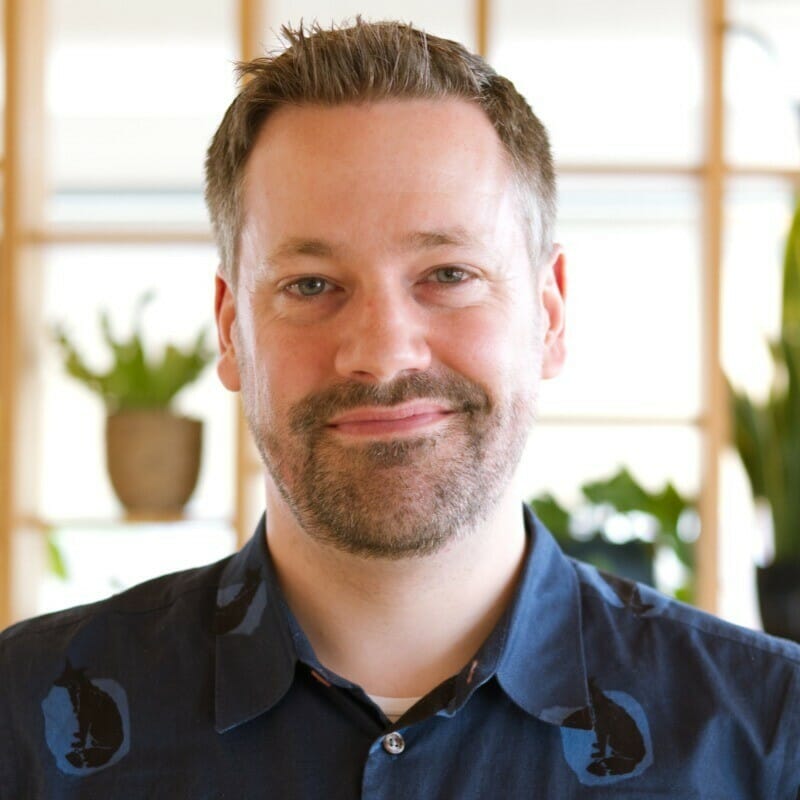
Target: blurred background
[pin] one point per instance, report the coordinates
(676, 131)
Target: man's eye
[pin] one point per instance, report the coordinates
(308, 287)
(449, 275)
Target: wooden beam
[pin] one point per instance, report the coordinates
(124, 236)
(630, 170)
(611, 420)
(715, 400)
(251, 27)
(43, 525)
(779, 173)
(675, 170)
(19, 291)
(8, 316)
(482, 13)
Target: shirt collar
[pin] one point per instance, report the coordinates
(255, 653)
(536, 652)
(542, 666)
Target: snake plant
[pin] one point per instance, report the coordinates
(767, 434)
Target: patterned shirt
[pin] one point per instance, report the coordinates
(202, 685)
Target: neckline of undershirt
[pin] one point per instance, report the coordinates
(393, 707)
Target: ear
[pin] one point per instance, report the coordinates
(553, 294)
(225, 315)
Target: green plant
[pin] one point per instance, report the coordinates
(669, 520)
(133, 380)
(55, 558)
(767, 434)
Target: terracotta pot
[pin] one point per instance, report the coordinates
(153, 459)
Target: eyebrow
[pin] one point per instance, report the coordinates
(417, 240)
(301, 246)
(446, 237)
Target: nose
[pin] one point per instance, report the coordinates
(382, 336)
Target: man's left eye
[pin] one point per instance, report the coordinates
(449, 275)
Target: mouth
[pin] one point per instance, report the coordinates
(374, 421)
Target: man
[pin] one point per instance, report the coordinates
(388, 300)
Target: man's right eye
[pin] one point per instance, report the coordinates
(307, 287)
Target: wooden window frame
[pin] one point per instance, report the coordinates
(23, 231)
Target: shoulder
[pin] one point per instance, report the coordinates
(96, 662)
(615, 603)
(152, 609)
(710, 679)
(709, 692)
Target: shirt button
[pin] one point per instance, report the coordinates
(394, 744)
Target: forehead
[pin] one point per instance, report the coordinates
(392, 166)
(383, 131)
(350, 145)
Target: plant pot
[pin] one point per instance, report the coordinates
(153, 460)
(779, 599)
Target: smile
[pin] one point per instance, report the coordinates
(394, 421)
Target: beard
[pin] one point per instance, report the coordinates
(399, 498)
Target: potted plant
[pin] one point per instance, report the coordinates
(622, 527)
(767, 437)
(152, 453)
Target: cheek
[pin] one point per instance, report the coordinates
(289, 365)
(494, 349)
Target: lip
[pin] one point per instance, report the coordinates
(376, 421)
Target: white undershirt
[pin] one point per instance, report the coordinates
(393, 707)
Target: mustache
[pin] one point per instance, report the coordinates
(457, 391)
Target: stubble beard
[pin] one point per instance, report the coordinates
(399, 498)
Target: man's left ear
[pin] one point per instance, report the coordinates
(553, 294)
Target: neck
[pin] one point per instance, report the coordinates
(398, 628)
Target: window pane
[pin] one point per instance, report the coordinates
(254, 499)
(451, 19)
(633, 299)
(165, 208)
(740, 545)
(758, 214)
(134, 92)
(757, 218)
(618, 81)
(762, 83)
(103, 560)
(560, 458)
(78, 283)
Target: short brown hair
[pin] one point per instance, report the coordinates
(370, 62)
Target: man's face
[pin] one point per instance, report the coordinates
(386, 332)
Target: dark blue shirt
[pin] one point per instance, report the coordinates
(202, 685)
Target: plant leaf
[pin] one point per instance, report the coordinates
(133, 380)
(791, 277)
(56, 559)
(554, 517)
